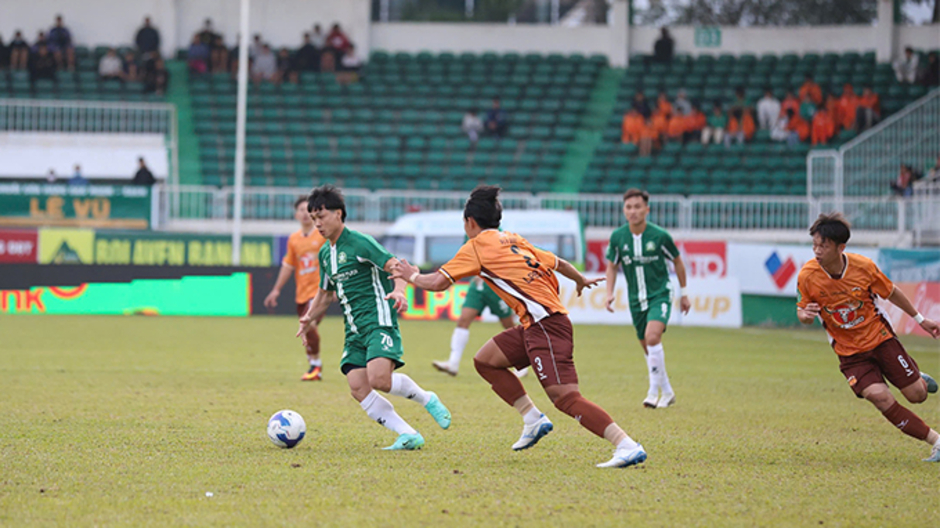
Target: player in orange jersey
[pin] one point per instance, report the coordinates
(524, 277)
(840, 289)
(303, 261)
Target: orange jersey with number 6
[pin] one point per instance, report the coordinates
(303, 255)
(847, 304)
(521, 274)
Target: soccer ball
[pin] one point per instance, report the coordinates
(286, 428)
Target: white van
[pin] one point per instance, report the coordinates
(433, 238)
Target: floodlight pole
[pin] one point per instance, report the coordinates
(241, 114)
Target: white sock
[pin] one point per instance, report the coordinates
(653, 368)
(627, 443)
(314, 362)
(658, 358)
(532, 416)
(405, 387)
(383, 412)
(458, 342)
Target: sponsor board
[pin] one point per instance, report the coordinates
(63, 205)
(704, 259)
(925, 296)
(767, 269)
(18, 247)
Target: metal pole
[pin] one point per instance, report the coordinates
(384, 10)
(556, 9)
(241, 114)
(468, 8)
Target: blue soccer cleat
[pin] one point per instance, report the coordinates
(931, 383)
(531, 434)
(406, 442)
(625, 458)
(437, 410)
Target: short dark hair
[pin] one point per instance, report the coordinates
(634, 192)
(300, 200)
(832, 226)
(326, 197)
(484, 207)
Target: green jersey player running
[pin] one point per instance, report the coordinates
(642, 249)
(355, 268)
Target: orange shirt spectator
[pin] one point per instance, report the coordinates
(823, 127)
(695, 121)
(659, 123)
(870, 100)
(799, 125)
(663, 106)
(811, 90)
(746, 125)
(835, 113)
(790, 102)
(677, 126)
(848, 105)
(632, 127)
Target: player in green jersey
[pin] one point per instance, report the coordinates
(642, 249)
(354, 268)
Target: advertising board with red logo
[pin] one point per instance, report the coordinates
(704, 259)
(18, 246)
(925, 296)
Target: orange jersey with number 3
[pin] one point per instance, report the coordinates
(303, 255)
(521, 274)
(847, 304)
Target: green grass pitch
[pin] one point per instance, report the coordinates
(130, 421)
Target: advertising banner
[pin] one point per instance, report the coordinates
(18, 247)
(926, 299)
(63, 205)
(767, 269)
(219, 296)
(910, 265)
(704, 259)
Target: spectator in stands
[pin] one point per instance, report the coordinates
(676, 127)
(930, 74)
(810, 90)
(256, 46)
(648, 138)
(740, 102)
(798, 127)
(77, 178)
(696, 121)
(768, 110)
(831, 104)
(233, 57)
(808, 108)
(4, 55)
(632, 127)
(61, 39)
(663, 106)
(905, 67)
(19, 52)
(264, 66)
(682, 105)
(207, 35)
(42, 65)
(869, 110)
(110, 66)
(471, 125)
(641, 105)
(317, 38)
(904, 185)
(198, 55)
(823, 129)
(218, 55)
(780, 130)
(51, 177)
(147, 39)
(129, 67)
(740, 127)
(143, 176)
(349, 66)
(42, 41)
(848, 107)
(664, 47)
(496, 122)
(285, 67)
(337, 41)
(307, 57)
(156, 78)
(660, 123)
(790, 102)
(715, 125)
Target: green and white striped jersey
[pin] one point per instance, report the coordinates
(643, 260)
(353, 268)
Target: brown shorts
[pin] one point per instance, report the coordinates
(302, 309)
(548, 346)
(887, 360)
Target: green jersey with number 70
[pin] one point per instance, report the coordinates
(643, 260)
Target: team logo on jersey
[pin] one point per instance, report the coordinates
(650, 246)
(846, 314)
(341, 258)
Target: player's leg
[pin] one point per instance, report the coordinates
(458, 340)
(639, 324)
(902, 371)
(656, 320)
(314, 373)
(500, 309)
(493, 362)
(383, 355)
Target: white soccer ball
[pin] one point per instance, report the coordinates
(286, 429)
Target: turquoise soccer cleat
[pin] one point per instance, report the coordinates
(934, 454)
(406, 442)
(931, 383)
(437, 410)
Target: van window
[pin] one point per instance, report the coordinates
(561, 245)
(440, 249)
(400, 246)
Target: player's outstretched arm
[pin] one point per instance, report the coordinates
(611, 275)
(398, 295)
(581, 282)
(809, 314)
(899, 299)
(282, 277)
(317, 308)
(426, 281)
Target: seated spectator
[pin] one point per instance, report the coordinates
(740, 102)
(256, 46)
(233, 55)
(831, 104)
(810, 90)
(930, 74)
(682, 104)
(715, 126)
(648, 138)
(207, 35)
(307, 57)
(790, 102)
(42, 41)
(156, 78)
(51, 176)
(198, 55)
(780, 130)
(42, 65)
(472, 126)
(129, 67)
(663, 106)
(664, 47)
(337, 41)
(768, 110)
(676, 128)
(695, 122)
(659, 123)
(218, 55)
(848, 107)
(496, 123)
(632, 127)
(869, 110)
(147, 39)
(798, 127)
(349, 66)
(143, 176)
(318, 38)
(61, 39)
(823, 129)
(904, 185)
(905, 67)
(641, 105)
(19, 52)
(740, 127)
(285, 67)
(264, 66)
(77, 178)
(110, 66)
(808, 108)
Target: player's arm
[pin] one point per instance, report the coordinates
(899, 299)
(317, 308)
(407, 272)
(398, 294)
(684, 302)
(581, 282)
(611, 276)
(282, 277)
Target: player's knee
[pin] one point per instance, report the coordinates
(880, 399)
(653, 338)
(916, 394)
(567, 402)
(380, 382)
(481, 366)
